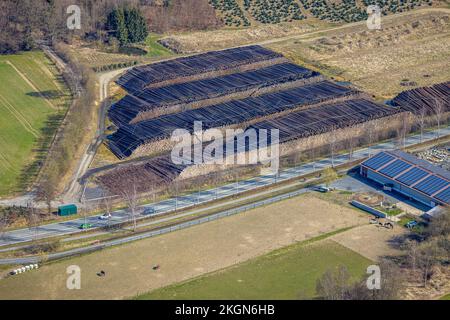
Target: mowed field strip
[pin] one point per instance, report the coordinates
(187, 253)
(31, 93)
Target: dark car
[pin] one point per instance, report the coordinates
(321, 189)
(147, 211)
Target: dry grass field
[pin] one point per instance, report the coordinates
(98, 57)
(410, 50)
(186, 253)
(287, 273)
(224, 38)
(371, 241)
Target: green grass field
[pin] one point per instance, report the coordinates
(446, 297)
(288, 273)
(155, 49)
(32, 103)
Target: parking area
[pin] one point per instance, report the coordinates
(354, 182)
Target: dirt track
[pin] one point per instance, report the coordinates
(186, 253)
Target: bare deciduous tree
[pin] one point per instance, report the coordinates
(439, 225)
(403, 129)
(371, 134)
(332, 143)
(311, 149)
(33, 218)
(337, 284)
(130, 196)
(420, 119)
(333, 285)
(438, 112)
(412, 252)
(46, 191)
(3, 224)
(351, 143)
(426, 260)
(106, 204)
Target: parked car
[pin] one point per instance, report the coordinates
(105, 216)
(411, 224)
(85, 226)
(150, 210)
(388, 187)
(321, 189)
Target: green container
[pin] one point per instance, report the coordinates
(67, 210)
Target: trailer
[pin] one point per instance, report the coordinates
(67, 210)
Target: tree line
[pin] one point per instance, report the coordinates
(25, 21)
(424, 253)
(127, 25)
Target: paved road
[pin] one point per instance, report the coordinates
(152, 233)
(182, 202)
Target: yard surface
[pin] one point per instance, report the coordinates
(288, 273)
(33, 100)
(192, 252)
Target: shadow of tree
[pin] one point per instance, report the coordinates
(48, 94)
(29, 172)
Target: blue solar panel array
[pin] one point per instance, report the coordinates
(378, 160)
(422, 180)
(395, 168)
(444, 195)
(412, 176)
(431, 185)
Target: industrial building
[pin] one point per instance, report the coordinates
(412, 177)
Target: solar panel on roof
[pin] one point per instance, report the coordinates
(378, 160)
(431, 185)
(444, 195)
(412, 176)
(395, 168)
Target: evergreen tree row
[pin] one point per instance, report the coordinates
(127, 25)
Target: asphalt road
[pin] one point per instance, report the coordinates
(182, 202)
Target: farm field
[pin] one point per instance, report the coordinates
(193, 252)
(407, 52)
(33, 100)
(287, 273)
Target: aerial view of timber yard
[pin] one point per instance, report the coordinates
(206, 150)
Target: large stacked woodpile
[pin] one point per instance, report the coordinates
(311, 115)
(432, 99)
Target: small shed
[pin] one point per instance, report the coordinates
(67, 210)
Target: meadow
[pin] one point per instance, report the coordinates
(33, 100)
(287, 273)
